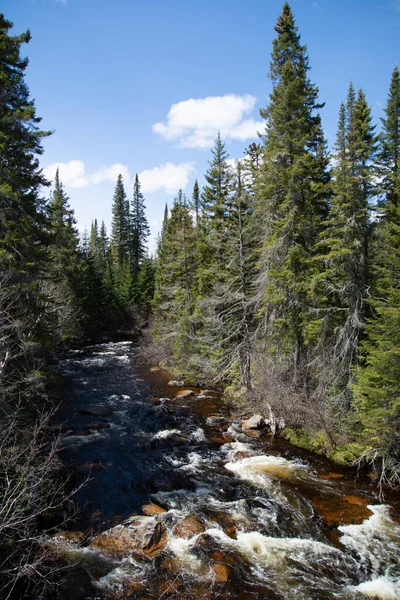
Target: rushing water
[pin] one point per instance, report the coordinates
(276, 523)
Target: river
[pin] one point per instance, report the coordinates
(267, 521)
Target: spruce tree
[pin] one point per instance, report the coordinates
(343, 281)
(292, 197)
(140, 229)
(175, 291)
(22, 227)
(195, 203)
(389, 152)
(377, 391)
(120, 223)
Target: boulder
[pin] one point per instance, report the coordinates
(152, 509)
(142, 536)
(174, 383)
(189, 527)
(255, 422)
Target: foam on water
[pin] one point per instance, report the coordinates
(166, 433)
(376, 543)
(381, 588)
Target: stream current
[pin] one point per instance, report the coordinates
(276, 523)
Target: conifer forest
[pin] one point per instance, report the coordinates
(275, 283)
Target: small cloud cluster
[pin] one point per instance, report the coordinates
(168, 177)
(74, 174)
(194, 123)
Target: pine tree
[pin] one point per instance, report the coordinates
(22, 227)
(94, 238)
(389, 155)
(63, 256)
(174, 298)
(343, 282)
(120, 223)
(377, 390)
(217, 191)
(146, 284)
(234, 310)
(292, 197)
(195, 203)
(140, 229)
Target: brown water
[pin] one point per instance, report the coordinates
(266, 520)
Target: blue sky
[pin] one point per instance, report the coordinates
(143, 85)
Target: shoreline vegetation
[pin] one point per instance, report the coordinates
(278, 281)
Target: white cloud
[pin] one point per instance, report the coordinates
(73, 173)
(194, 123)
(168, 177)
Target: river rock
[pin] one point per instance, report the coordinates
(189, 527)
(97, 411)
(152, 509)
(174, 383)
(255, 422)
(186, 393)
(143, 536)
(222, 573)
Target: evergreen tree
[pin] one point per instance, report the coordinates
(217, 191)
(103, 240)
(94, 238)
(292, 196)
(22, 226)
(377, 390)
(120, 223)
(63, 254)
(234, 310)
(146, 284)
(343, 282)
(140, 230)
(389, 154)
(195, 203)
(174, 298)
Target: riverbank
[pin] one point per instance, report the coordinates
(183, 503)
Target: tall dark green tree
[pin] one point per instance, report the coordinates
(344, 279)
(292, 196)
(175, 292)
(120, 223)
(140, 229)
(377, 391)
(63, 261)
(195, 202)
(22, 224)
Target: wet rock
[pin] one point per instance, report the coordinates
(97, 411)
(143, 536)
(186, 393)
(222, 573)
(189, 527)
(174, 383)
(74, 537)
(254, 433)
(98, 426)
(255, 422)
(220, 438)
(152, 509)
(226, 522)
(204, 545)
